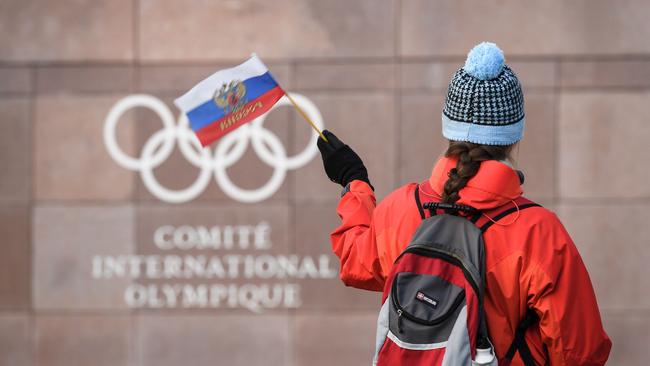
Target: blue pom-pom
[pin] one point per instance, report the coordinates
(484, 61)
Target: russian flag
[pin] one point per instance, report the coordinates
(229, 98)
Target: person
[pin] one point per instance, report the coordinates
(531, 261)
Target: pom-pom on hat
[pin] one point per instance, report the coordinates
(485, 61)
(484, 104)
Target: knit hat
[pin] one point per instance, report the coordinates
(484, 104)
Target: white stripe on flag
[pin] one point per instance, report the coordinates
(204, 91)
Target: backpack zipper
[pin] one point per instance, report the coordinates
(403, 313)
(399, 320)
(427, 251)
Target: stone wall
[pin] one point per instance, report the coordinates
(377, 70)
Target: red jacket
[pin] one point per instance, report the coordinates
(531, 262)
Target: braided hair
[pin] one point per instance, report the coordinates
(469, 157)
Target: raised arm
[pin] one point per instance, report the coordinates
(354, 242)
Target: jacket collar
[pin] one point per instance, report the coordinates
(494, 185)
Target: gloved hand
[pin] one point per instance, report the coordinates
(342, 164)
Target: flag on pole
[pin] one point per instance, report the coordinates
(229, 98)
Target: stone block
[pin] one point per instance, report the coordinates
(428, 75)
(66, 239)
(84, 79)
(82, 340)
(612, 240)
(444, 28)
(602, 136)
(68, 30)
(421, 141)
(350, 338)
(628, 331)
(15, 80)
(225, 340)
(71, 161)
(282, 29)
(347, 76)
(15, 339)
(15, 148)
(16, 260)
(605, 74)
(535, 155)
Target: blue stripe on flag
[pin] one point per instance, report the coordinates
(209, 112)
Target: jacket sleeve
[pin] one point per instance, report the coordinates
(354, 241)
(561, 293)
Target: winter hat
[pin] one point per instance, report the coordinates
(484, 104)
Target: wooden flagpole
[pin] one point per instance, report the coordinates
(304, 115)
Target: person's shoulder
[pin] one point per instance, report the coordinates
(399, 197)
(398, 207)
(532, 219)
(543, 222)
(540, 215)
(535, 236)
(407, 191)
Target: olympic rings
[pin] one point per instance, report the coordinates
(217, 160)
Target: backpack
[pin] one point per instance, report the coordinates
(432, 303)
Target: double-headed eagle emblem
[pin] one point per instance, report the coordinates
(231, 97)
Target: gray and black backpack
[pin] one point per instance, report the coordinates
(432, 305)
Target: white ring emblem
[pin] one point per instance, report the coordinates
(227, 152)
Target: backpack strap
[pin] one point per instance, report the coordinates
(422, 208)
(519, 342)
(418, 202)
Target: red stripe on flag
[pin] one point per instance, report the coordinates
(251, 110)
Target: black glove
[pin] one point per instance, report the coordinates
(341, 163)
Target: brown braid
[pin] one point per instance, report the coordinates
(469, 157)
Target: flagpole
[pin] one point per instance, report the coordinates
(304, 115)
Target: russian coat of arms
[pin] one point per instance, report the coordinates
(231, 97)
